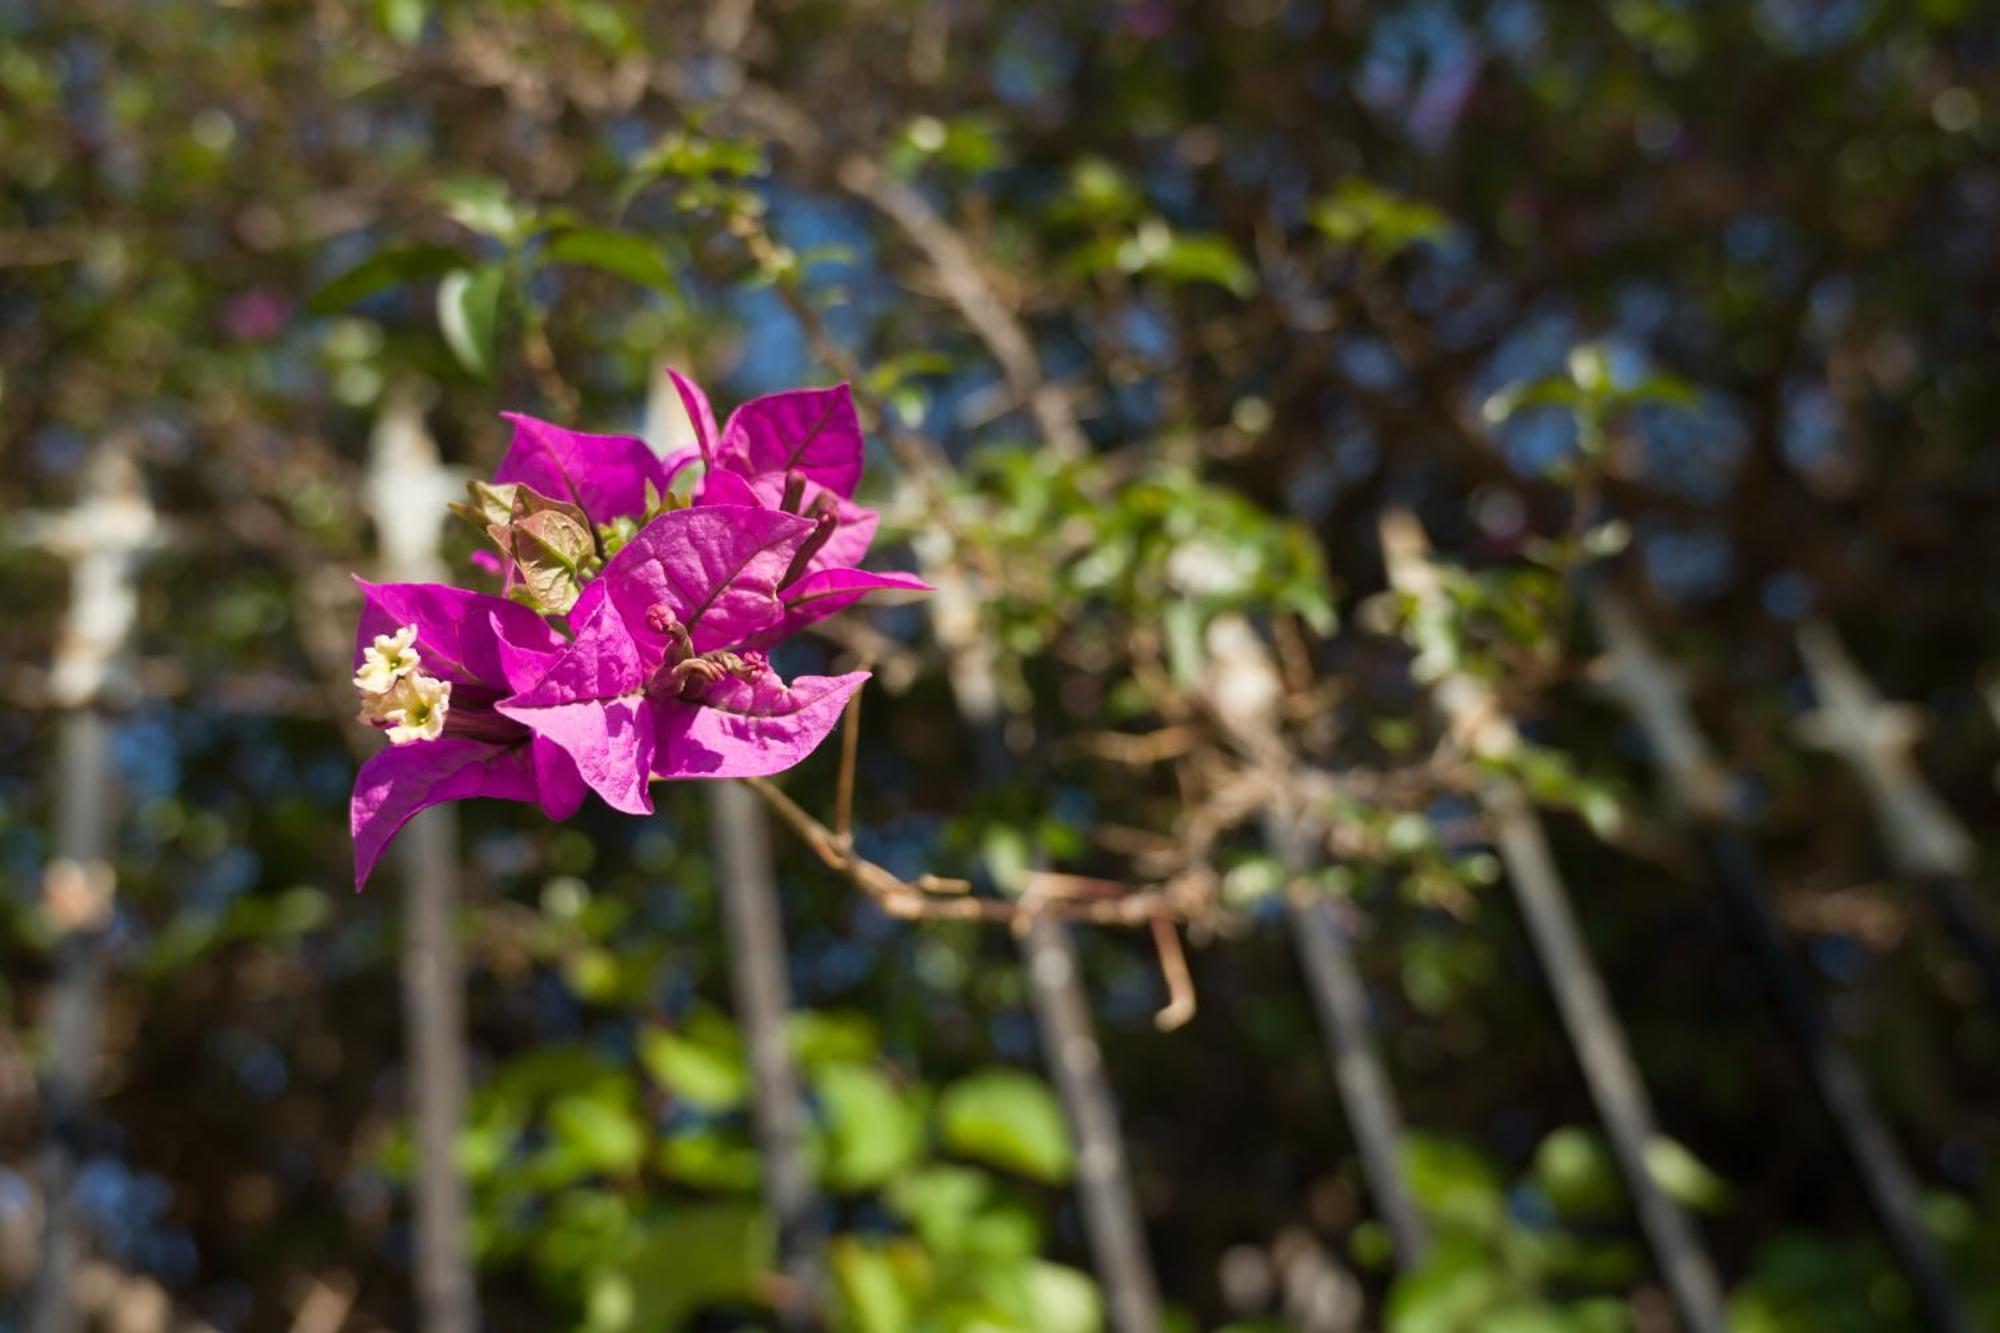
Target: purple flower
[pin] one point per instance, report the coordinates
(606, 476)
(430, 664)
(664, 679)
(799, 452)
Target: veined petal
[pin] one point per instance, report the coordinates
(850, 540)
(587, 705)
(749, 729)
(603, 475)
(716, 567)
(700, 415)
(459, 633)
(828, 592)
(723, 487)
(560, 787)
(606, 660)
(610, 741)
(812, 431)
(524, 661)
(401, 780)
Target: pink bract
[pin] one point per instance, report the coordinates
(694, 584)
(486, 648)
(605, 476)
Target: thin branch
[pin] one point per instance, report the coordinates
(850, 750)
(1180, 982)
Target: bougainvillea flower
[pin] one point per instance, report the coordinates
(430, 663)
(663, 680)
(606, 476)
(799, 452)
(813, 432)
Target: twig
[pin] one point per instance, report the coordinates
(1174, 967)
(940, 898)
(850, 749)
(1246, 694)
(326, 1306)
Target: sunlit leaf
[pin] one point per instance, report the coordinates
(614, 252)
(702, 1064)
(468, 303)
(1009, 1119)
(872, 1128)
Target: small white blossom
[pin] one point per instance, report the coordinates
(388, 661)
(414, 709)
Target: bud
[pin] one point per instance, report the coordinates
(548, 545)
(660, 619)
(693, 678)
(795, 491)
(825, 518)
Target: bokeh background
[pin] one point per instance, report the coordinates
(1162, 306)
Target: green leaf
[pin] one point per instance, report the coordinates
(403, 20)
(1457, 1285)
(602, 1135)
(1382, 224)
(1063, 1300)
(1007, 1118)
(872, 1129)
(616, 253)
(1453, 1181)
(482, 204)
(818, 1036)
(468, 303)
(694, 1256)
(706, 1159)
(382, 270)
(1576, 1170)
(1205, 258)
(940, 1203)
(702, 1064)
(1683, 1175)
(870, 1287)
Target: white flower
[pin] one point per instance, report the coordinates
(389, 660)
(414, 709)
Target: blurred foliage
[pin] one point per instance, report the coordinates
(1699, 298)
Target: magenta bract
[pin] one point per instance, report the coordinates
(661, 673)
(603, 475)
(663, 680)
(800, 451)
(484, 649)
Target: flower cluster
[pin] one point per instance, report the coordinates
(628, 643)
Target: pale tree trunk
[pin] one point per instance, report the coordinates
(1062, 1010)
(1697, 789)
(740, 834)
(1481, 728)
(1244, 692)
(1926, 843)
(105, 539)
(407, 491)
